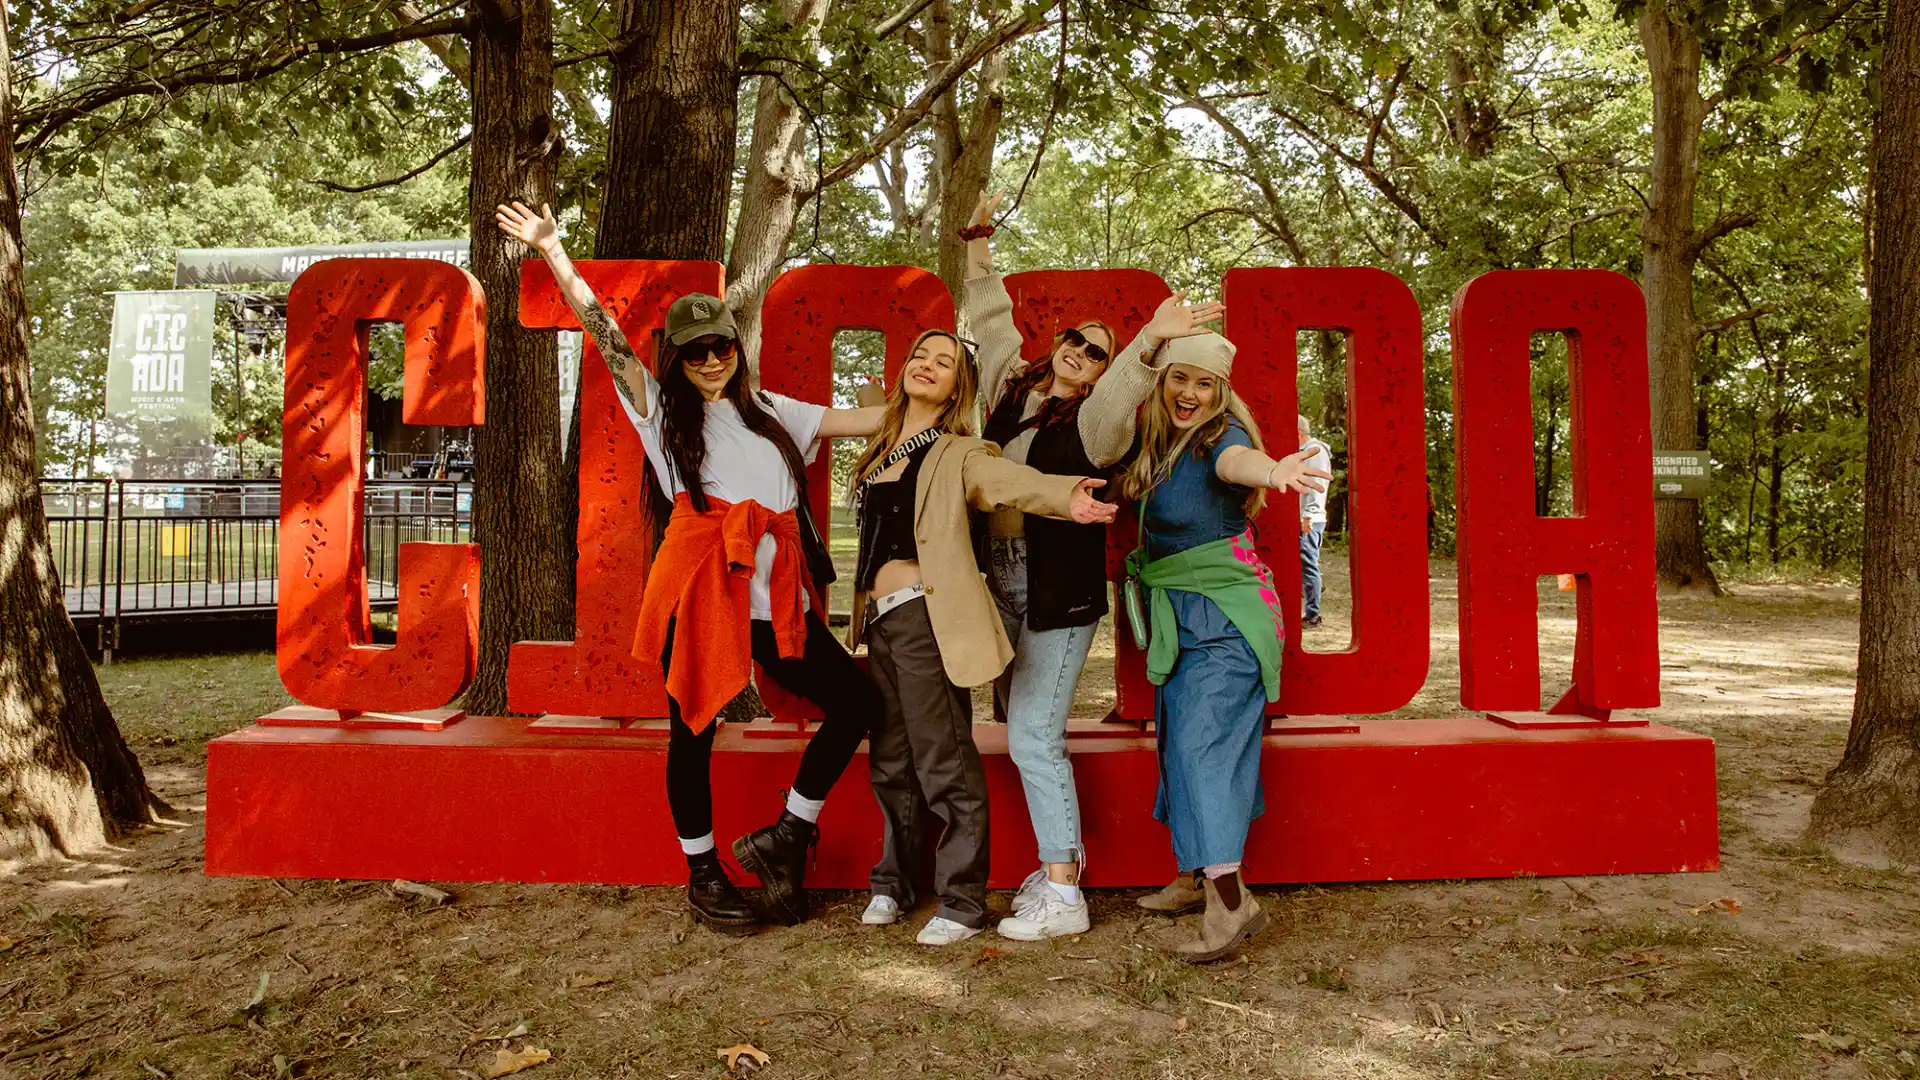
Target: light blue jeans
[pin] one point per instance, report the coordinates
(1046, 668)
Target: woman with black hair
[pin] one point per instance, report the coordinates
(730, 583)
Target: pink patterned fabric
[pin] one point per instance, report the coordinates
(1246, 552)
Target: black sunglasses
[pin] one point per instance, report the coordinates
(695, 353)
(1079, 341)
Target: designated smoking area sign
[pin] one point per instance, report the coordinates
(1681, 474)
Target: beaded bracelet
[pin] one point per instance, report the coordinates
(975, 232)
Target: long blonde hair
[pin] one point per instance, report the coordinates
(1161, 443)
(956, 416)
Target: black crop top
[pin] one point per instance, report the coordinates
(886, 521)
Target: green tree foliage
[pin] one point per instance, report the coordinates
(1437, 139)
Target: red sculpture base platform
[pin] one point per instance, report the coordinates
(488, 800)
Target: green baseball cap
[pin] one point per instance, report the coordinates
(699, 315)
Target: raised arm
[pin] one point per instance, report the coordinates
(1247, 467)
(541, 233)
(989, 309)
(1106, 418)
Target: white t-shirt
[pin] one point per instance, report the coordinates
(1313, 504)
(740, 465)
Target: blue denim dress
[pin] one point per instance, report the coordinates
(1209, 713)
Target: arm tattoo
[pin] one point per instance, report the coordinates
(621, 362)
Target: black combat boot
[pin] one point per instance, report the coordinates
(714, 900)
(777, 855)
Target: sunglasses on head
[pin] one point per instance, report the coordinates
(1079, 341)
(695, 353)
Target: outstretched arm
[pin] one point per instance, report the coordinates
(541, 233)
(1247, 467)
(994, 483)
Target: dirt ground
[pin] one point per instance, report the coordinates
(1784, 964)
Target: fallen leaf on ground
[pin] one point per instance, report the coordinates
(733, 1054)
(506, 1062)
(1827, 1040)
(7, 943)
(578, 982)
(1725, 903)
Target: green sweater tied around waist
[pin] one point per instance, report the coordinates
(1229, 573)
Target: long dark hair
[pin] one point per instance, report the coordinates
(683, 424)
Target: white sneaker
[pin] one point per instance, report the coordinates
(1048, 917)
(944, 931)
(881, 911)
(1030, 890)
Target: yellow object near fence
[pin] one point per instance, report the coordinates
(176, 541)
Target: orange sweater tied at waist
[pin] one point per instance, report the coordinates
(699, 586)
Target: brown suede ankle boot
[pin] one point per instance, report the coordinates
(1179, 897)
(1222, 931)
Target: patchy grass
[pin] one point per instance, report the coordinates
(137, 965)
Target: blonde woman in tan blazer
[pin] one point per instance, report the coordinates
(931, 625)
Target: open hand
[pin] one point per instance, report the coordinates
(538, 231)
(983, 210)
(1291, 473)
(1175, 318)
(1086, 509)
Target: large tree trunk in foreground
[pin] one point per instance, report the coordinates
(1669, 248)
(523, 493)
(67, 779)
(670, 139)
(1870, 805)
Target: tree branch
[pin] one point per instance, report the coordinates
(1724, 224)
(1731, 321)
(900, 18)
(403, 177)
(999, 37)
(47, 120)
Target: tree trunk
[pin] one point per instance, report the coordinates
(1668, 250)
(523, 494)
(971, 165)
(777, 173)
(67, 779)
(670, 140)
(1870, 805)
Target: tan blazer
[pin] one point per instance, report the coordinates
(958, 473)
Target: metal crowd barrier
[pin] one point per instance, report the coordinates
(130, 549)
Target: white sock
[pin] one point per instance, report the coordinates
(1069, 893)
(804, 808)
(1220, 870)
(699, 845)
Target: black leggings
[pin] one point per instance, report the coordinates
(825, 675)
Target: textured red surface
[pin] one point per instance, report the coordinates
(323, 630)
(803, 310)
(1385, 664)
(1607, 544)
(487, 800)
(595, 674)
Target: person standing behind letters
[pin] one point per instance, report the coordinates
(1313, 525)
